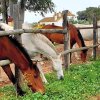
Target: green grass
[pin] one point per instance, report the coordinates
(80, 83)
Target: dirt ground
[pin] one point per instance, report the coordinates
(47, 66)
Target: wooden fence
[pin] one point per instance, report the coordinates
(21, 31)
(6, 62)
(66, 40)
(95, 35)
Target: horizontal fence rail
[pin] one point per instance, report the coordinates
(87, 27)
(78, 49)
(20, 31)
(6, 62)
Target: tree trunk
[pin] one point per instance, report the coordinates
(10, 8)
(4, 11)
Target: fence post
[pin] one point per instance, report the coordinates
(94, 36)
(66, 40)
(18, 20)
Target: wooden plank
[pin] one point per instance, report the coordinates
(17, 25)
(84, 27)
(4, 62)
(21, 31)
(78, 49)
(94, 36)
(66, 40)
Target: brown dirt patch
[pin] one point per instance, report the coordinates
(95, 97)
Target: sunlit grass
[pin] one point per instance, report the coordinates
(80, 83)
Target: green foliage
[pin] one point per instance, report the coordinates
(80, 83)
(83, 22)
(89, 13)
(73, 21)
(82, 15)
(40, 6)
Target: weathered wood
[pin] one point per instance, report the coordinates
(4, 62)
(4, 10)
(66, 40)
(94, 36)
(10, 8)
(78, 49)
(98, 26)
(84, 27)
(45, 31)
(87, 27)
(21, 31)
(18, 20)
